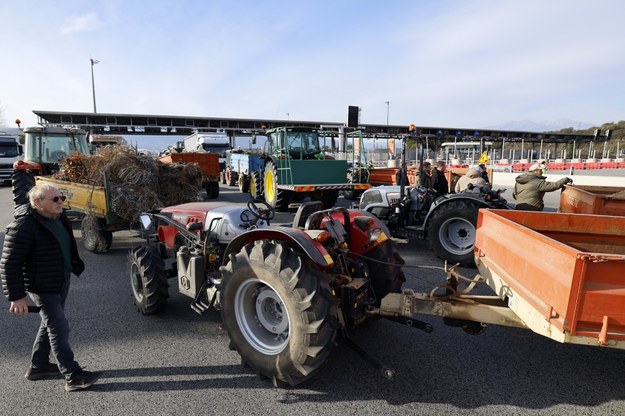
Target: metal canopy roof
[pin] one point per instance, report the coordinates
(145, 124)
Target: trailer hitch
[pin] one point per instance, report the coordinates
(411, 323)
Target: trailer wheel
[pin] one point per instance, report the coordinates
(231, 177)
(451, 231)
(212, 190)
(22, 181)
(148, 280)
(329, 198)
(351, 194)
(244, 183)
(94, 236)
(278, 312)
(256, 185)
(276, 198)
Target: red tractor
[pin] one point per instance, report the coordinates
(286, 293)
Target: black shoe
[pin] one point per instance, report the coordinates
(49, 369)
(82, 380)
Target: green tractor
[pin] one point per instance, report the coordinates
(44, 150)
(297, 166)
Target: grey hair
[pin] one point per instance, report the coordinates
(38, 192)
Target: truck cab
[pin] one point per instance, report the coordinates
(10, 152)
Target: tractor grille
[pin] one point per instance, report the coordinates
(392, 198)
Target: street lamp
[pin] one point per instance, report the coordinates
(288, 116)
(93, 62)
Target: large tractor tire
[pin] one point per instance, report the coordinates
(148, 280)
(95, 238)
(231, 177)
(451, 231)
(276, 198)
(278, 312)
(244, 183)
(212, 190)
(385, 268)
(256, 185)
(21, 182)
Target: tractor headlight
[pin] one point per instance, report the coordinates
(376, 235)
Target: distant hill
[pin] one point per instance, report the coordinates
(528, 125)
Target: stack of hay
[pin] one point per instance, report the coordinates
(137, 183)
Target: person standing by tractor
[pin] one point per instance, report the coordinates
(425, 175)
(530, 188)
(473, 176)
(38, 257)
(439, 181)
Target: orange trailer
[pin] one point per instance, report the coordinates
(209, 166)
(602, 200)
(562, 274)
(559, 275)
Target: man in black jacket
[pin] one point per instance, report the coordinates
(38, 256)
(439, 181)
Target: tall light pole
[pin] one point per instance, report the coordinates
(387, 109)
(93, 62)
(288, 116)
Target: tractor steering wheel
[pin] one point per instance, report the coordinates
(262, 212)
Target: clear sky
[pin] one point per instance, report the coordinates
(472, 63)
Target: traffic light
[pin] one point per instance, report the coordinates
(352, 116)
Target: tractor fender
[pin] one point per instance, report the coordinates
(315, 252)
(449, 199)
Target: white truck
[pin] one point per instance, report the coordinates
(10, 152)
(209, 142)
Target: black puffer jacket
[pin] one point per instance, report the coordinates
(32, 259)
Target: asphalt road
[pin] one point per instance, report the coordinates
(178, 362)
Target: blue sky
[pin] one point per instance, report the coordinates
(439, 63)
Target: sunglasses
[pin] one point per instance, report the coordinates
(57, 198)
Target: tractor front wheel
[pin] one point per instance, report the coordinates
(148, 280)
(278, 312)
(275, 197)
(256, 185)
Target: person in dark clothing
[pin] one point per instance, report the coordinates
(38, 257)
(425, 172)
(439, 181)
(483, 172)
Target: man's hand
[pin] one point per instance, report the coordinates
(569, 180)
(19, 307)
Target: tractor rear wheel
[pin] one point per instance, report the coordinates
(21, 182)
(148, 280)
(451, 231)
(95, 238)
(256, 185)
(278, 312)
